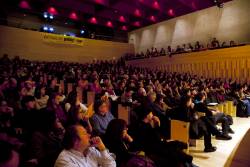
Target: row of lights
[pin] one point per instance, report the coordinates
(47, 15)
(122, 19)
(53, 11)
(50, 29)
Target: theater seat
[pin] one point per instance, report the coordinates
(231, 109)
(124, 113)
(180, 131)
(90, 98)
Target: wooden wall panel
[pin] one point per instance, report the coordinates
(225, 63)
(30, 45)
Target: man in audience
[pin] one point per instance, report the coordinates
(215, 43)
(148, 138)
(214, 116)
(197, 45)
(81, 151)
(198, 126)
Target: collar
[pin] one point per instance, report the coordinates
(78, 153)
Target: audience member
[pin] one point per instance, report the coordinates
(81, 150)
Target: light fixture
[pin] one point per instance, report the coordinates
(82, 32)
(45, 28)
(51, 29)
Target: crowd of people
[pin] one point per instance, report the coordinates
(185, 48)
(45, 124)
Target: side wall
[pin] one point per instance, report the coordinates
(225, 63)
(229, 23)
(30, 45)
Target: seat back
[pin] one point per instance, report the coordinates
(69, 87)
(124, 113)
(90, 98)
(180, 131)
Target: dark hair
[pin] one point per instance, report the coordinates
(72, 97)
(184, 100)
(114, 130)
(143, 110)
(5, 152)
(97, 104)
(159, 97)
(27, 99)
(47, 121)
(73, 114)
(38, 91)
(71, 135)
(200, 96)
(52, 98)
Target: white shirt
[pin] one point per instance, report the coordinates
(94, 158)
(82, 106)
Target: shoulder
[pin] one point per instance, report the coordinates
(65, 155)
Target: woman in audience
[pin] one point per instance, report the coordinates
(118, 141)
(28, 88)
(95, 86)
(41, 97)
(101, 118)
(77, 112)
(46, 142)
(242, 97)
(55, 106)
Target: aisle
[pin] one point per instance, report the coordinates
(225, 149)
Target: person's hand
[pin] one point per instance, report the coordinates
(156, 121)
(32, 162)
(196, 117)
(128, 138)
(19, 131)
(192, 105)
(97, 142)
